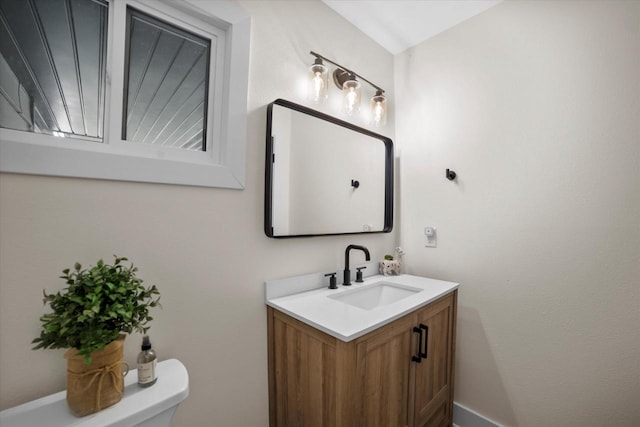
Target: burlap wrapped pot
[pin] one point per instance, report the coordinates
(93, 387)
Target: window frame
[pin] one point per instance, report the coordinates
(221, 165)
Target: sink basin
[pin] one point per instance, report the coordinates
(374, 296)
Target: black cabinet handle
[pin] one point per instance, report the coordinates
(426, 340)
(417, 358)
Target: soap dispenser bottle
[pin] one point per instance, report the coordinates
(147, 364)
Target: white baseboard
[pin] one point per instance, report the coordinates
(465, 417)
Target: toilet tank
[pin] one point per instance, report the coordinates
(152, 406)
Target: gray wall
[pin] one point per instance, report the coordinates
(536, 106)
(204, 248)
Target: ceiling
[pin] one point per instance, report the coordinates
(400, 24)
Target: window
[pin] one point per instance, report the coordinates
(166, 80)
(53, 67)
(124, 89)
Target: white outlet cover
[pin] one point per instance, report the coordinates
(430, 237)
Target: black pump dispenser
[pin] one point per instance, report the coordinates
(146, 343)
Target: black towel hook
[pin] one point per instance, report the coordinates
(451, 175)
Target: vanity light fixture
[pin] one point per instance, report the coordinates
(347, 81)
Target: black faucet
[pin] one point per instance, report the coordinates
(347, 272)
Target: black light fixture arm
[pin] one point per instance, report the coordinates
(317, 55)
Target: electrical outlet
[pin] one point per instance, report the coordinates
(430, 237)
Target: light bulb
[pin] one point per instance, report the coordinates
(351, 99)
(351, 94)
(318, 82)
(318, 86)
(379, 109)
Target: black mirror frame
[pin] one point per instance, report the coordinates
(268, 176)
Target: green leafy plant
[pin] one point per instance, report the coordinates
(96, 306)
(388, 257)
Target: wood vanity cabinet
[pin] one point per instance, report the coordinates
(318, 380)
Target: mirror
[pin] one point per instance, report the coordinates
(324, 176)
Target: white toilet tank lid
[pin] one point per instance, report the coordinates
(137, 404)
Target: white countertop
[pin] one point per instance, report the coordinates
(347, 322)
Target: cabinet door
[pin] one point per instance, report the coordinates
(382, 375)
(434, 375)
(303, 366)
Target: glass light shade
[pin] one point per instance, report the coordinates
(351, 93)
(379, 109)
(318, 82)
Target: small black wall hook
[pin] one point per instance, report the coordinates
(355, 183)
(451, 175)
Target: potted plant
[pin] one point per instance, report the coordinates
(390, 265)
(89, 318)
